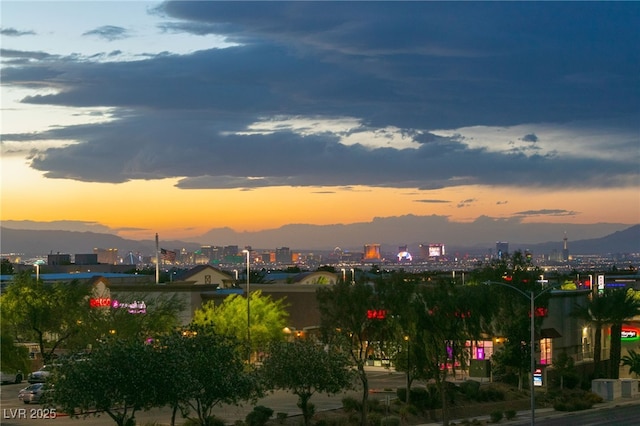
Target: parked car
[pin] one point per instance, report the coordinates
(41, 375)
(32, 393)
(11, 377)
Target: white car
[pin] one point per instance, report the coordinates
(41, 375)
(11, 377)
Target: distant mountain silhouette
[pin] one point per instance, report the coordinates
(389, 233)
(43, 242)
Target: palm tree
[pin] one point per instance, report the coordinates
(622, 306)
(596, 313)
(632, 360)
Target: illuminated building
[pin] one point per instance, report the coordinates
(502, 249)
(404, 255)
(108, 256)
(371, 252)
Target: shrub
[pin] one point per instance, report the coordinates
(259, 416)
(350, 404)
(281, 417)
(390, 421)
(470, 389)
(510, 414)
(375, 405)
(496, 416)
(374, 419)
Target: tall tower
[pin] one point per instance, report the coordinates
(565, 248)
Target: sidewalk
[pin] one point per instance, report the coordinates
(545, 413)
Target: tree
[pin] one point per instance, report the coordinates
(14, 358)
(632, 360)
(613, 308)
(118, 379)
(268, 318)
(160, 314)
(345, 322)
(47, 313)
(6, 267)
(304, 368)
(596, 313)
(622, 306)
(202, 370)
(447, 316)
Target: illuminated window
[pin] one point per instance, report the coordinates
(545, 351)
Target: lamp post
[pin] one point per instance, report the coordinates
(532, 300)
(246, 252)
(407, 398)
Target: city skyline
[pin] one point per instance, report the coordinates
(183, 117)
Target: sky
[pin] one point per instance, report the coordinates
(180, 117)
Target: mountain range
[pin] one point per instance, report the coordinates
(391, 233)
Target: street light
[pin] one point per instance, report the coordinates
(406, 339)
(532, 300)
(248, 307)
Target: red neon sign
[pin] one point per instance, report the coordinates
(376, 314)
(100, 302)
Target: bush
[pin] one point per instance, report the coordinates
(510, 414)
(350, 404)
(390, 421)
(376, 406)
(259, 416)
(496, 416)
(281, 417)
(470, 389)
(374, 419)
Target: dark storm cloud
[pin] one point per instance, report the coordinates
(415, 66)
(108, 32)
(12, 32)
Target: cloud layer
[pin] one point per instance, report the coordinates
(409, 95)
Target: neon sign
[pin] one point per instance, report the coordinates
(136, 307)
(100, 302)
(376, 314)
(630, 334)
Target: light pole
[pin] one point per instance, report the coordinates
(532, 300)
(407, 399)
(248, 307)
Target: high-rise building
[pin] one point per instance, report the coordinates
(502, 249)
(108, 256)
(283, 255)
(371, 252)
(565, 248)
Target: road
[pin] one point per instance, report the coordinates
(16, 413)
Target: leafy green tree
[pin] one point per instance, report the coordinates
(268, 318)
(14, 358)
(159, 315)
(447, 316)
(345, 322)
(202, 370)
(511, 318)
(47, 313)
(632, 360)
(6, 267)
(305, 368)
(117, 379)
